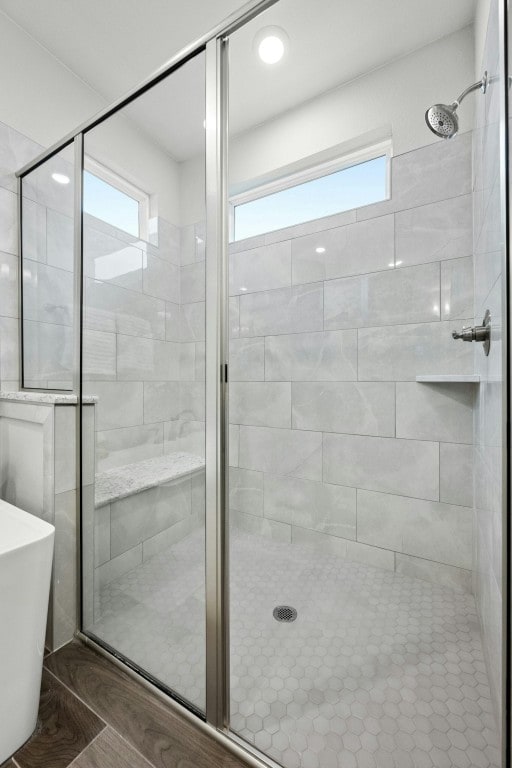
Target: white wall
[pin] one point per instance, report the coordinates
(44, 100)
(389, 101)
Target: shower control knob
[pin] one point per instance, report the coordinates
(477, 332)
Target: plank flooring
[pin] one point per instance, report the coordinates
(93, 715)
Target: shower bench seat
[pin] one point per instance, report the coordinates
(120, 482)
(142, 509)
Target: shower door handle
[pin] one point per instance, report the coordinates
(477, 332)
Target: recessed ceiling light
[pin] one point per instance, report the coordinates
(271, 43)
(60, 178)
(320, 249)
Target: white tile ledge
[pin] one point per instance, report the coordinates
(132, 478)
(448, 378)
(51, 398)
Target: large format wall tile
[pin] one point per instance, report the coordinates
(440, 573)
(192, 321)
(409, 467)
(99, 356)
(435, 411)
(246, 491)
(286, 310)
(351, 250)
(384, 298)
(401, 524)
(317, 506)
(281, 451)
(456, 470)
(9, 285)
(120, 404)
(147, 359)
(353, 551)
(161, 401)
(116, 447)
(457, 293)
(59, 241)
(192, 283)
(260, 269)
(111, 259)
(247, 359)
(48, 294)
(434, 232)
(365, 408)
(8, 225)
(118, 310)
(261, 404)
(161, 279)
(321, 356)
(405, 351)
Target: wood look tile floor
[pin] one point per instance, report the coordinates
(94, 715)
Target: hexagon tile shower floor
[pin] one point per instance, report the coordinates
(379, 669)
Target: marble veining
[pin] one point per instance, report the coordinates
(140, 475)
(51, 398)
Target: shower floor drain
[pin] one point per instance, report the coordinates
(284, 613)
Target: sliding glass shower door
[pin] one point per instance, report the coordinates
(143, 368)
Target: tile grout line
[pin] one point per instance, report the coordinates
(73, 693)
(70, 765)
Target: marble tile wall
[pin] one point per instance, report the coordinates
(333, 442)
(489, 277)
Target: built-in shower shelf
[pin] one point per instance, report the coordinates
(448, 378)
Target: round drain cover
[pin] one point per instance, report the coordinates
(284, 613)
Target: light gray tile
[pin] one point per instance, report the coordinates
(65, 448)
(234, 317)
(234, 445)
(193, 283)
(101, 535)
(407, 351)
(192, 321)
(260, 269)
(99, 355)
(310, 227)
(47, 294)
(187, 245)
(435, 411)
(247, 359)
(261, 404)
(172, 321)
(59, 240)
(352, 551)
(64, 591)
(281, 451)
(111, 259)
(15, 151)
(384, 298)
(435, 172)
(166, 538)
(400, 523)
(456, 470)
(246, 491)
(361, 408)
(409, 467)
(246, 244)
(118, 566)
(184, 435)
(200, 361)
(161, 279)
(143, 515)
(118, 310)
(307, 504)
(8, 285)
(116, 447)
(285, 310)
(434, 232)
(33, 227)
(168, 241)
(187, 361)
(457, 292)
(352, 250)
(321, 356)
(48, 352)
(161, 401)
(192, 401)
(261, 526)
(147, 359)
(438, 573)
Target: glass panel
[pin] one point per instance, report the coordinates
(365, 578)
(352, 187)
(48, 273)
(143, 362)
(106, 202)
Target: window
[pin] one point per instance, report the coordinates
(113, 199)
(318, 192)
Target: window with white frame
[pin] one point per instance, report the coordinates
(339, 185)
(109, 197)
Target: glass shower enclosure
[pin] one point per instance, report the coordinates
(281, 526)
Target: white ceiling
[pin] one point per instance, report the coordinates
(114, 44)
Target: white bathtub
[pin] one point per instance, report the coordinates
(26, 551)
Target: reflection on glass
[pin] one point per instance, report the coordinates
(48, 273)
(144, 339)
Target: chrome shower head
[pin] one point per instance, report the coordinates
(442, 118)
